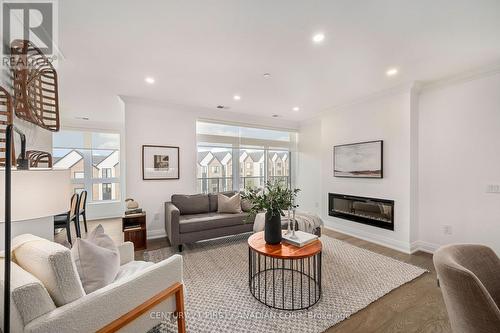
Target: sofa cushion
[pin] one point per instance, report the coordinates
(132, 268)
(231, 205)
(97, 259)
(246, 205)
(51, 263)
(200, 222)
(191, 204)
(29, 296)
(214, 198)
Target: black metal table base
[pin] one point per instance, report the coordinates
(285, 284)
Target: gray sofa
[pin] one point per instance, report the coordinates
(191, 218)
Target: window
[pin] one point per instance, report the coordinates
(241, 157)
(219, 179)
(278, 165)
(106, 191)
(78, 189)
(94, 161)
(107, 173)
(78, 175)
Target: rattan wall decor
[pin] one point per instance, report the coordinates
(35, 86)
(5, 119)
(37, 157)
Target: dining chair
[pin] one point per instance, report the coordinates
(82, 209)
(64, 220)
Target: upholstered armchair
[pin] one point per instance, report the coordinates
(47, 294)
(469, 277)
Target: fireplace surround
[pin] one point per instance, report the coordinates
(371, 211)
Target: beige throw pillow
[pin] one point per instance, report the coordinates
(246, 205)
(230, 205)
(97, 259)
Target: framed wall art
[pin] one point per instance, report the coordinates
(358, 160)
(160, 162)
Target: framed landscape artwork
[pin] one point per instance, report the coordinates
(160, 162)
(358, 160)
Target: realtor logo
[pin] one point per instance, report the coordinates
(33, 21)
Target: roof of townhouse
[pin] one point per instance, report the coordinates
(222, 156)
(256, 156)
(68, 160)
(202, 155)
(106, 161)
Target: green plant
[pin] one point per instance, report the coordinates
(273, 199)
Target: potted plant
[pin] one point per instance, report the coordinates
(273, 199)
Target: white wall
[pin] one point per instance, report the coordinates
(384, 118)
(162, 124)
(309, 166)
(441, 151)
(459, 155)
(37, 138)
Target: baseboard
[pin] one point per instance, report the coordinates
(377, 239)
(424, 247)
(153, 234)
(369, 237)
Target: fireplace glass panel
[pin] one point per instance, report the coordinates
(377, 212)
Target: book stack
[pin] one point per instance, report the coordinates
(133, 211)
(300, 239)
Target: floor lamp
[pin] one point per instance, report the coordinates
(22, 164)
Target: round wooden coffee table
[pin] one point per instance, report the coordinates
(284, 276)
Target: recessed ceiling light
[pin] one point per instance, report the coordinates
(236, 97)
(82, 118)
(296, 108)
(150, 80)
(318, 38)
(275, 116)
(391, 72)
(267, 75)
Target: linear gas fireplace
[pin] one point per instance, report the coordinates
(371, 211)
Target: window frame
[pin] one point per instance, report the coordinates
(88, 181)
(239, 137)
(239, 169)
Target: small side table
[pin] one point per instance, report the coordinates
(134, 230)
(284, 276)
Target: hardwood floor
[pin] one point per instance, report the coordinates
(417, 306)
(414, 307)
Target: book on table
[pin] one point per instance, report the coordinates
(301, 238)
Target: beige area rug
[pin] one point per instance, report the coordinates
(218, 297)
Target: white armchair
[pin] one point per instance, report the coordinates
(43, 271)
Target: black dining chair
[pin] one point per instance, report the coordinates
(82, 209)
(64, 220)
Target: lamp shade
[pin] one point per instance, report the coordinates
(37, 193)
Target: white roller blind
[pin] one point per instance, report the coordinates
(211, 133)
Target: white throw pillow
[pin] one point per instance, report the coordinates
(97, 259)
(52, 264)
(230, 205)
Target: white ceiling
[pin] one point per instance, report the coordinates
(203, 52)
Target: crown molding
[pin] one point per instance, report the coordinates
(407, 87)
(471, 75)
